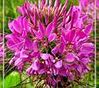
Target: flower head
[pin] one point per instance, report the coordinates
(53, 41)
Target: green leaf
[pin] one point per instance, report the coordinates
(75, 2)
(0, 82)
(12, 79)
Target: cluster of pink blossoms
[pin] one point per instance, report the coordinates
(1, 49)
(53, 41)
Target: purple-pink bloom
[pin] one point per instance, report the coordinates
(53, 41)
(1, 49)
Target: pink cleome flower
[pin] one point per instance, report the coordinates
(54, 41)
(2, 55)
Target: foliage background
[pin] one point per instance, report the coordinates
(14, 78)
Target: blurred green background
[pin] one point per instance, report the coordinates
(14, 77)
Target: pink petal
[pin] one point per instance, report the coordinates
(38, 34)
(49, 29)
(42, 29)
(97, 4)
(70, 35)
(57, 3)
(43, 2)
(55, 49)
(75, 16)
(11, 27)
(88, 29)
(61, 48)
(25, 24)
(35, 46)
(58, 64)
(85, 60)
(80, 35)
(70, 57)
(36, 65)
(21, 10)
(51, 37)
(79, 68)
(63, 37)
(23, 54)
(87, 47)
(84, 3)
(16, 26)
(45, 56)
(18, 62)
(29, 71)
(24, 34)
(14, 42)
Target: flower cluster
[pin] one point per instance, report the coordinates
(47, 39)
(88, 7)
(1, 49)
